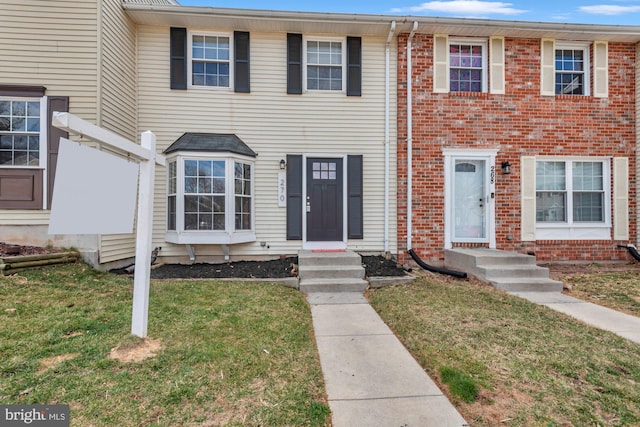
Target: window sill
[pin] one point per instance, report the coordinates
(581, 232)
(469, 94)
(209, 237)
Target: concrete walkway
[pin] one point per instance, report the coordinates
(371, 379)
(625, 325)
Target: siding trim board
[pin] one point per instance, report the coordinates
(22, 91)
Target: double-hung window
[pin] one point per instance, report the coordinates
(325, 60)
(467, 66)
(572, 66)
(210, 200)
(20, 127)
(210, 60)
(572, 195)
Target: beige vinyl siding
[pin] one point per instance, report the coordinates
(53, 44)
(273, 124)
(118, 90)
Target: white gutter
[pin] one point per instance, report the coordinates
(409, 138)
(387, 90)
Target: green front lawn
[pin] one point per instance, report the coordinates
(233, 353)
(505, 361)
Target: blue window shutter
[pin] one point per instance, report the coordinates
(178, 58)
(241, 62)
(355, 221)
(354, 66)
(294, 64)
(294, 197)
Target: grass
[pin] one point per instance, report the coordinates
(617, 290)
(233, 353)
(531, 366)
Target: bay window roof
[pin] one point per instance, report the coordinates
(211, 143)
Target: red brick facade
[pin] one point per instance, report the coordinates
(519, 123)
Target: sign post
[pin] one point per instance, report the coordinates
(146, 155)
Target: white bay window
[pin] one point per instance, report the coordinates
(210, 195)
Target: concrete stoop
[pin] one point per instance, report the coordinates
(331, 272)
(508, 271)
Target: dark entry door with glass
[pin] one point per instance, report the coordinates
(324, 205)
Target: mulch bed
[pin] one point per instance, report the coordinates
(273, 269)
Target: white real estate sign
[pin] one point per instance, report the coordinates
(95, 192)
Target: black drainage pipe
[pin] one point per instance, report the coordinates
(454, 273)
(632, 250)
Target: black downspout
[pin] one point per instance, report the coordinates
(454, 273)
(632, 250)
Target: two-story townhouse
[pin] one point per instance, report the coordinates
(518, 136)
(278, 127)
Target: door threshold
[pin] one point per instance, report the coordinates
(325, 246)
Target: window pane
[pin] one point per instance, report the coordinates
(18, 108)
(5, 124)
(190, 185)
(550, 206)
(190, 221)
(587, 176)
(171, 213)
(190, 168)
(550, 176)
(190, 204)
(588, 207)
(205, 204)
(218, 222)
(204, 185)
(5, 108)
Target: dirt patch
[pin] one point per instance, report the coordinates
(559, 270)
(52, 362)
(8, 250)
(137, 352)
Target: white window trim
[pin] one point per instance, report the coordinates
(343, 41)
(586, 48)
(190, 84)
(579, 230)
(227, 236)
(42, 164)
(485, 61)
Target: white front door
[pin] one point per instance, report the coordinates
(469, 197)
(469, 200)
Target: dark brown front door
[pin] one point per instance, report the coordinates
(324, 199)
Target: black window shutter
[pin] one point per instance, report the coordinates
(354, 66)
(54, 103)
(294, 197)
(178, 58)
(354, 199)
(241, 62)
(294, 64)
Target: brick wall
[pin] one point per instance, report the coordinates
(519, 123)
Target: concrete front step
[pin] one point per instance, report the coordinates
(333, 285)
(331, 272)
(509, 271)
(309, 258)
(505, 271)
(527, 285)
